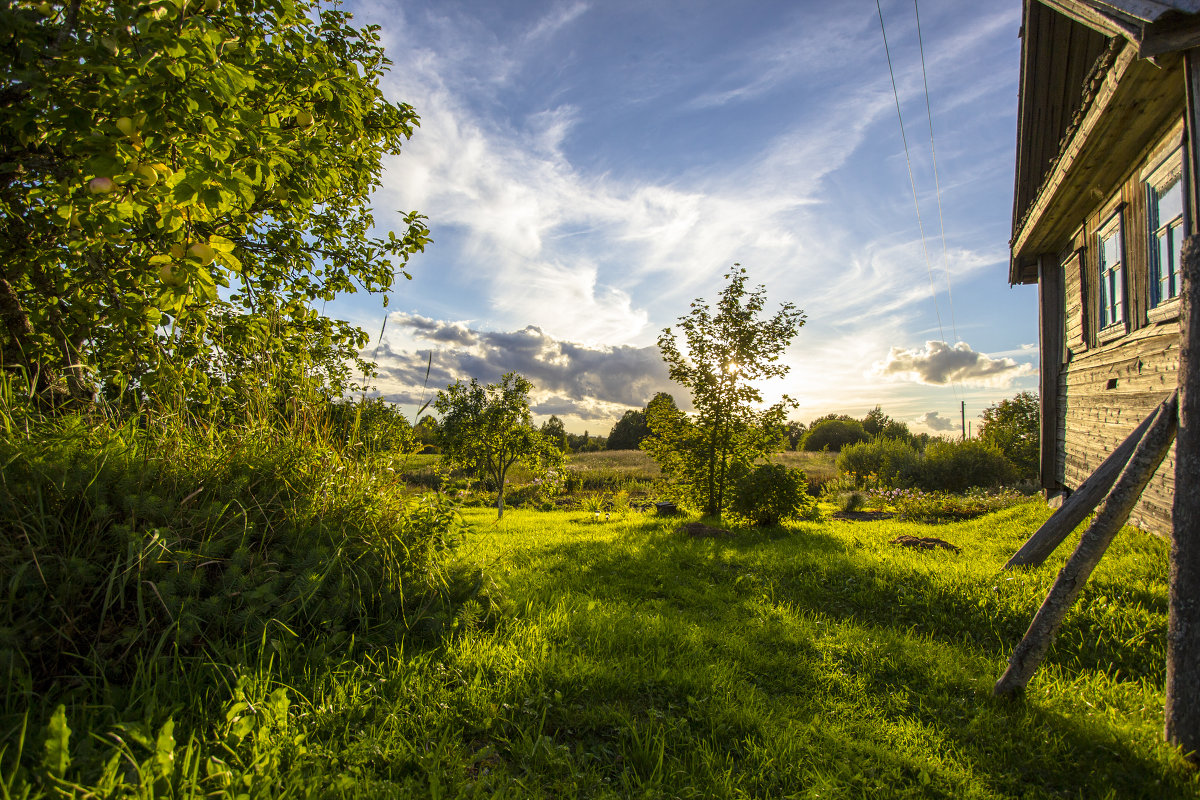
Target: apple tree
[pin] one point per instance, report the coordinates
(183, 183)
(487, 429)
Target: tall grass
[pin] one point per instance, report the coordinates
(230, 612)
(144, 560)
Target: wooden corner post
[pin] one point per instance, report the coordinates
(1182, 708)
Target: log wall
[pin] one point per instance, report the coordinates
(1111, 380)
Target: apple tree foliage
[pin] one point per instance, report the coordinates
(727, 353)
(486, 429)
(183, 184)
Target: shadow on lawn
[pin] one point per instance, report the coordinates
(893, 641)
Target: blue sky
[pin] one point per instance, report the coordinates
(589, 168)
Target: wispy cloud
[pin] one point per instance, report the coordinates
(582, 262)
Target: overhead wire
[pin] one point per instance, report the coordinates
(912, 178)
(937, 184)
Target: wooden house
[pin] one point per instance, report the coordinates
(1103, 197)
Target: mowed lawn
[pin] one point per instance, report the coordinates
(626, 659)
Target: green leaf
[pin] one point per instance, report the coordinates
(164, 749)
(57, 756)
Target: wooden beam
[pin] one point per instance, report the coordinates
(1050, 340)
(1182, 708)
(1113, 513)
(1168, 36)
(1112, 23)
(1066, 163)
(1075, 508)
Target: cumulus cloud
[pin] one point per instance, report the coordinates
(570, 379)
(936, 422)
(940, 364)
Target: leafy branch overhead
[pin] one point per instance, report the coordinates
(181, 183)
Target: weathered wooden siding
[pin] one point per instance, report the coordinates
(1108, 385)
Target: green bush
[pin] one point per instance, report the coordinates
(914, 505)
(955, 466)
(126, 541)
(834, 434)
(882, 463)
(770, 493)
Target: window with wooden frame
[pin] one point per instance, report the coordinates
(1110, 258)
(1164, 210)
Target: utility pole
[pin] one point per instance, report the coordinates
(964, 420)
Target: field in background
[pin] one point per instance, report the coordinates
(617, 469)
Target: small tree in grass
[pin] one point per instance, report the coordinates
(727, 353)
(487, 429)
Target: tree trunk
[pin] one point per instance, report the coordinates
(1182, 708)
(1113, 513)
(500, 494)
(1081, 502)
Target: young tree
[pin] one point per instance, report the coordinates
(182, 184)
(632, 428)
(727, 353)
(487, 429)
(553, 430)
(875, 421)
(427, 432)
(628, 431)
(834, 434)
(1013, 427)
(795, 431)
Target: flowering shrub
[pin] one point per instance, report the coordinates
(915, 505)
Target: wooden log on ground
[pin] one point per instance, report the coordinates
(1113, 513)
(1182, 707)
(1075, 508)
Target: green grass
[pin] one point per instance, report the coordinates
(576, 659)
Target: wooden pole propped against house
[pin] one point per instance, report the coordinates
(1075, 508)
(1113, 513)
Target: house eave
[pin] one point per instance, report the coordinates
(1132, 101)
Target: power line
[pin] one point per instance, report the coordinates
(911, 179)
(936, 182)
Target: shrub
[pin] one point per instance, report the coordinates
(834, 434)
(893, 463)
(915, 505)
(957, 466)
(125, 541)
(771, 493)
(850, 502)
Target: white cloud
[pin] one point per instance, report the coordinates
(939, 364)
(936, 422)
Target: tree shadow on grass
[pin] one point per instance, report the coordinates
(885, 667)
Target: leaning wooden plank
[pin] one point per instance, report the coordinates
(1113, 513)
(1182, 707)
(1075, 508)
